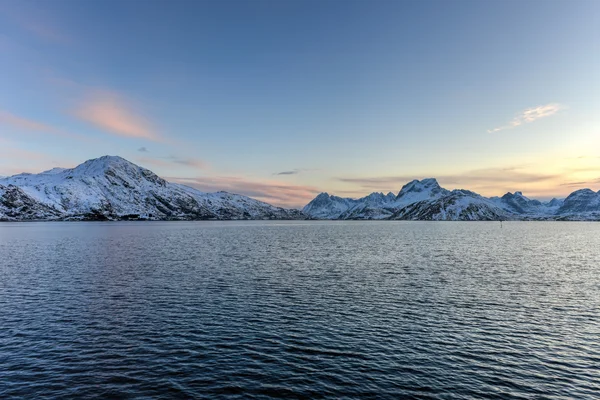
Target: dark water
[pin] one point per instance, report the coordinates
(300, 310)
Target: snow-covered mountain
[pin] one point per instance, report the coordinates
(376, 205)
(427, 200)
(325, 206)
(582, 204)
(111, 187)
(415, 191)
(517, 203)
(457, 205)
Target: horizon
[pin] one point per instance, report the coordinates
(395, 192)
(270, 100)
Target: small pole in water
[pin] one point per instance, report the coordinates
(500, 224)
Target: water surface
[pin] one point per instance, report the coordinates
(300, 310)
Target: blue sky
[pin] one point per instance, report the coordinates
(347, 97)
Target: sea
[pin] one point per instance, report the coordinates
(300, 310)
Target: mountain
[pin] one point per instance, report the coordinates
(111, 187)
(427, 200)
(458, 205)
(582, 204)
(376, 205)
(325, 206)
(517, 203)
(15, 204)
(415, 191)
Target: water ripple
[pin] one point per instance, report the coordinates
(299, 310)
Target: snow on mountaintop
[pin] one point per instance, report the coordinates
(55, 170)
(458, 205)
(583, 200)
(427, 200)
(111, 187)
(328, 207)
(416, 190)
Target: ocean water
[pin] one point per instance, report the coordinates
(300, 310)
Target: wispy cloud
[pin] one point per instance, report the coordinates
(488, 180)
(188, 162)
(113, 113)
(15, 160)
(37, 21)
(581, 183)
(27, 124)
(142, 150)
(293, 172)
(530, 115)
(174, 160)
(273, 192)
(23, 123)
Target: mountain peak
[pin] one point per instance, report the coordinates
(418, 185)
(100, 165)
(110, 187)
(106, 161)
(428, 185)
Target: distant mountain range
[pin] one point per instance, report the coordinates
(112, 188)
(427, 200)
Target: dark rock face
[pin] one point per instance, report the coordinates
(15, 204)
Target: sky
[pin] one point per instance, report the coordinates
(281, 100)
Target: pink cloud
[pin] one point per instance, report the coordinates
(11, 155)
(114, 114)
(23, 123)
(273, 192)
(26, 124)
(38, 22)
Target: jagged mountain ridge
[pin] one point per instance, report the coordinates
(111, 187)
(427, 200)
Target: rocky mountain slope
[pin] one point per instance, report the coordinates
(427, 200)
(111, 187)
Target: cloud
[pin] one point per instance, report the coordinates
(37, 21)
(142, 150)
(111, 112)
(273, 192)
(294, 172)
(26, 124)
(189, 162)
(530, 115)
(173, 160)
(23, 123)
(34, 162)
(481, 179)
(582, 183)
